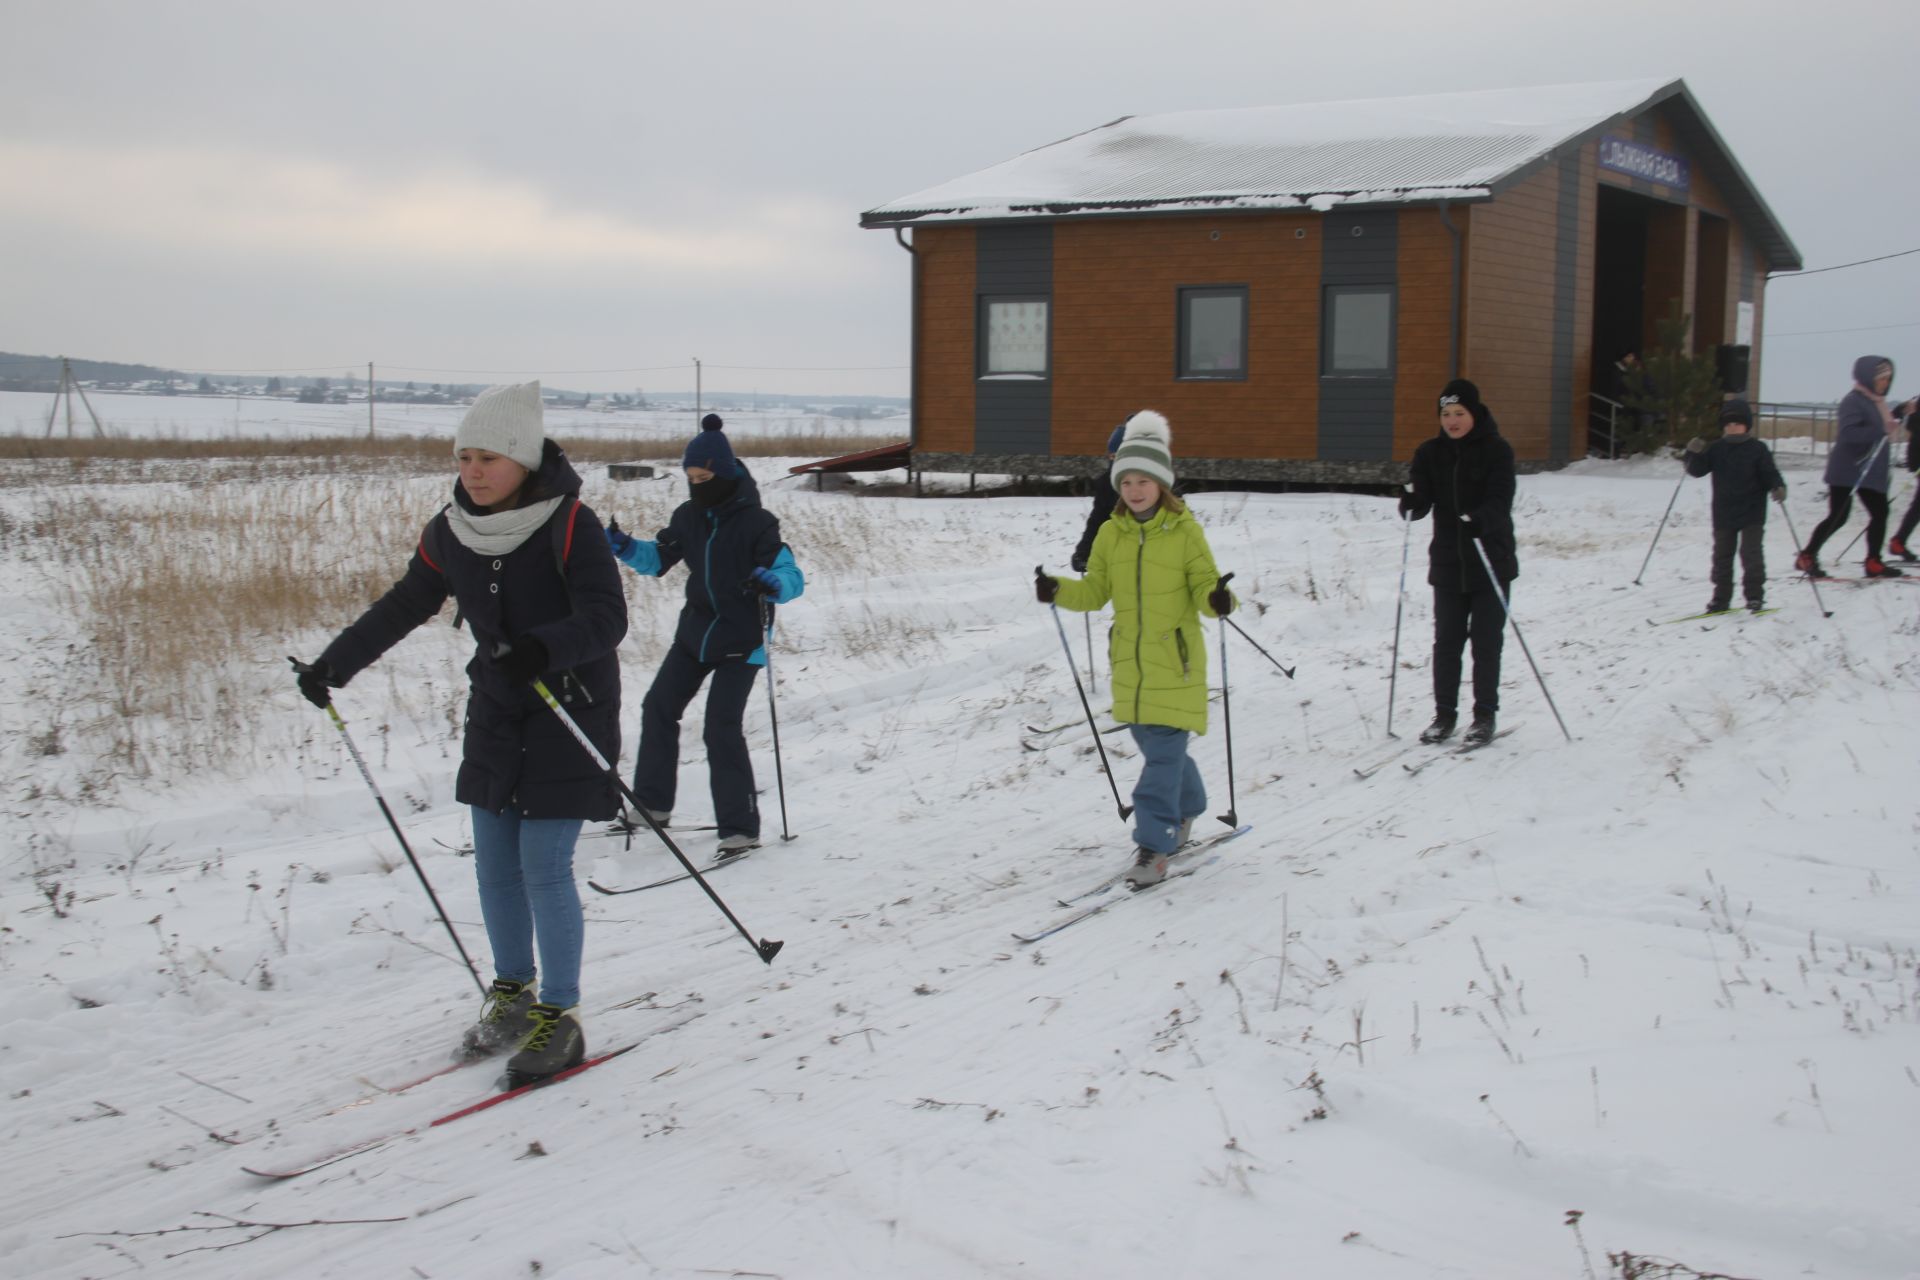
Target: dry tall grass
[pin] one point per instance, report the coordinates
(177, 586)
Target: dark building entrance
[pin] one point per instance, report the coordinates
(1639, 257)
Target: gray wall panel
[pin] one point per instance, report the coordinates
(1014, 416)
(1356, 414)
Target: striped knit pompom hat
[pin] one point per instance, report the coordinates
(1146, 446)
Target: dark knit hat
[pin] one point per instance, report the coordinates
(710, 449)
(1466, 395)
(1460, 392)
(1736, 411)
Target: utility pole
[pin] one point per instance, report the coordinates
(68, 385)
(369, 401)
(696, 393)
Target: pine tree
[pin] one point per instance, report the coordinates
(1680, 394)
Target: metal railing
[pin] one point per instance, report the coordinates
(1608, 420)
(1789, 420)
(1605, 417)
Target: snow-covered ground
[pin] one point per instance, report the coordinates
(1664, 975)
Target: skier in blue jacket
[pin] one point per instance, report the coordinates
(738, 569)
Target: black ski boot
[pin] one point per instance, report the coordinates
(555, 1043)
(1441, 729)
(503, 1019)
(1719, 606)
(1480, 732)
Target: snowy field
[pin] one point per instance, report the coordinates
(194, 417)
(1664, 975)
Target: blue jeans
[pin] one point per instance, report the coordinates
(525, 869)
(1169, 791)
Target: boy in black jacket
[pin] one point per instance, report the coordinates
(1743, 475)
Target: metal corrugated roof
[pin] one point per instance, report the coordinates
(1450, 146)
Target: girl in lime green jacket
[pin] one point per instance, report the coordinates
(1152, 560)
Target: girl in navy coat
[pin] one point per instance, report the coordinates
(530, 571)
(738, 569)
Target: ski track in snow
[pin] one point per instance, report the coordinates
(1665, 974)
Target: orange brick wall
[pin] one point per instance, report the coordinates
(1115, 323)
(944, 371)
(1510, 308)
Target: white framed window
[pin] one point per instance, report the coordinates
(1013, 336)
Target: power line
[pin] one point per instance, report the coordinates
(1788, 275)
(1865, 328)
(804, 368)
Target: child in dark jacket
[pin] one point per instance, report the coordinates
(1744, 475)
(1909, 413)
(1465, 476)
(737, 570)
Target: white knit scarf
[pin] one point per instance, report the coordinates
(499, 532)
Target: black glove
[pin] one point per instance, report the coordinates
(1406, 506)
(1079, 562)
(1044, 588)
(619, 539)
(315, 679)
(523, 662)
(1780, 494)
(1220, 600)
(1471, 527)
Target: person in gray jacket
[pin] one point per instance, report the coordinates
(1862, 439)
(1744, 475)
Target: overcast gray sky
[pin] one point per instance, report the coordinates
(563, 187)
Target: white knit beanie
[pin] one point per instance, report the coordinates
(508, 421)
(1147, 447)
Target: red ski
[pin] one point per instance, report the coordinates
(491, 1100)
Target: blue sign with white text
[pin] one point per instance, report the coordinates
(1636, 159)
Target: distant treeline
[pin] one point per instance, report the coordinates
(42, 374)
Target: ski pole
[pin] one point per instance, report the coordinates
(1788, 517)
(1662, 528)
(381, 800)
(1399, 608)
(1285, 671)
(1126, 810)
(763, 948)
(1093, 673)
(1491, 577)
(773, 711)
(1232, 816)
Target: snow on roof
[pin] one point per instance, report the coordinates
(1451, 146)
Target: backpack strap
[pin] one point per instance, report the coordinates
(563, 537)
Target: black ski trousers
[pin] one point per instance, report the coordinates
(1457, 617)
(1839, 507)
(736, 810)
(1753, 562)
(1909, 520)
